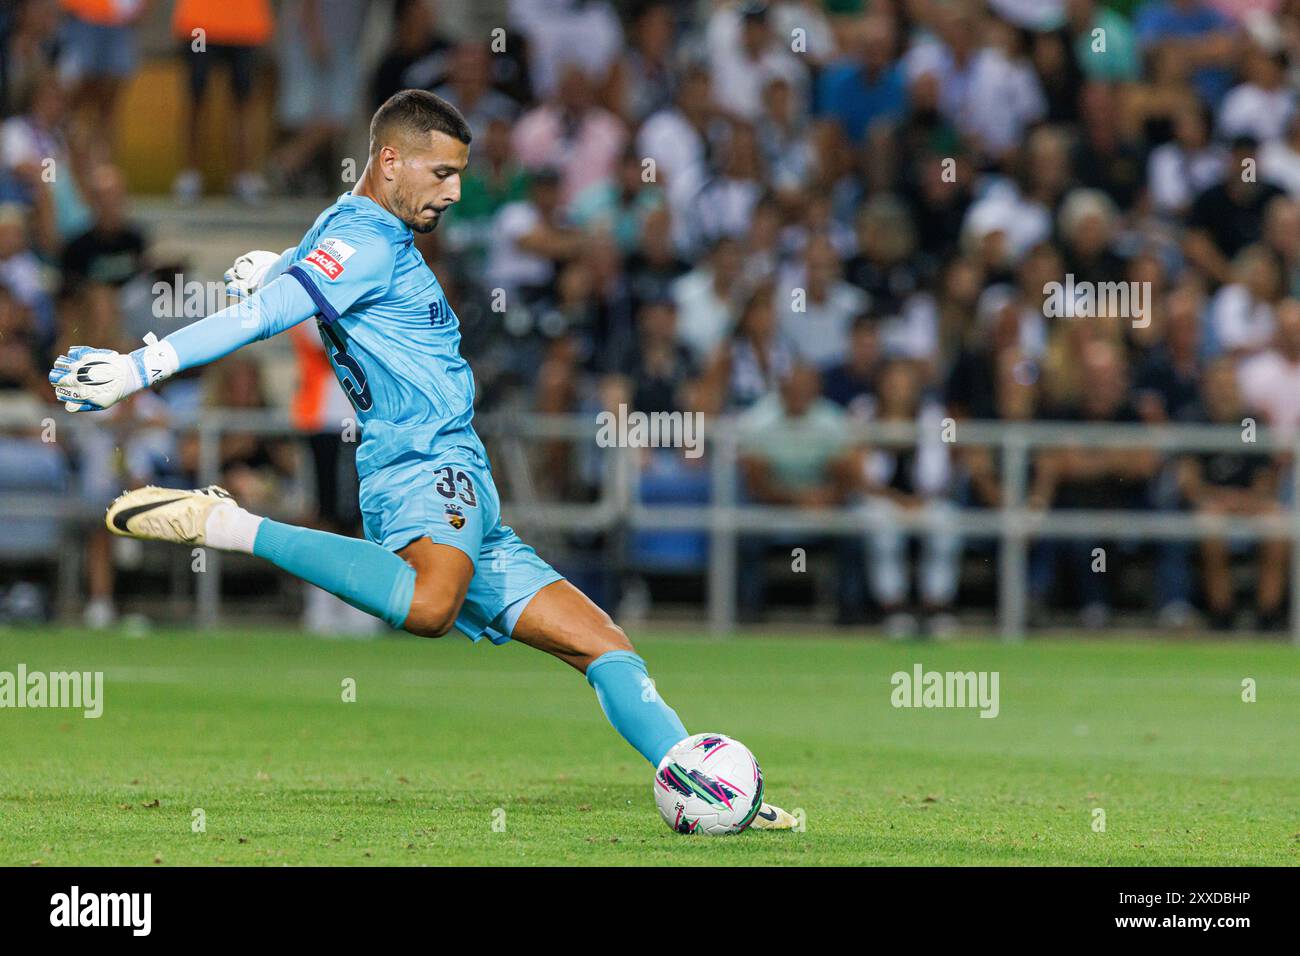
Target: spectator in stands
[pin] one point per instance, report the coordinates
(1263, 105)
(469, 88)
(751, 362)
(1187, 165)
(530, 239)
(645, 77)
(870, 87)
(1196, 33)
(29, 45)
(22, 273)
(706, 298)
(1090, 478)
(1229, 216)
(1269, 382)
(493, 181)
(34, 148)
(112, 250)
(212, 32)
(572, 133)
(1241, 314)
(98, 57)
(818, 307)
(420, 56)
(852, 384)
(1224, 484)
(914, 478)
(745, 55)
(795, 450)
(319, 91)
(618, 206)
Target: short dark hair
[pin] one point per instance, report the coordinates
(416, 112)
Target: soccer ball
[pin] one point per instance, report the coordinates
(709, 784)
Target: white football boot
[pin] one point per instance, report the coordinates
(165, 514)
(774, 818)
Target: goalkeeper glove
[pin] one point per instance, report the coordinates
(249, 272)
(90, 380)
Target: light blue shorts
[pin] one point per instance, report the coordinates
(452, 500)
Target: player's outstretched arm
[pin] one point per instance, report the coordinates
(90, 379)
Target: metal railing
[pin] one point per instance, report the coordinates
(1013, 524)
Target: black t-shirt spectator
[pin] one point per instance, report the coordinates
(1107, 491)
(1232, 225)
(969, 390)
(658, 389)
(111, 257)
(1176, 388)
(845, 387)
(1227, 469)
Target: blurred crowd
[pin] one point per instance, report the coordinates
(803, 213)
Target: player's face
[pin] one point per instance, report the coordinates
(428, 181)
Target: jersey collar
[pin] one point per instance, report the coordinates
(372, 207)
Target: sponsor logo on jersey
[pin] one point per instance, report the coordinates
(455, 517)
(330, 255)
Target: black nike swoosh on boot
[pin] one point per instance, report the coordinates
(122, 517)
(767, 816)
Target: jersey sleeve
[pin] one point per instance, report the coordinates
(343, 267)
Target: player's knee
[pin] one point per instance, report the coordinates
(612, 638)
(429, 621)
(433, 611)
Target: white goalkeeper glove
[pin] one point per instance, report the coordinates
(90, 380)
(249, 272)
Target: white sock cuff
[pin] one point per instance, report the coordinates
(231, 528)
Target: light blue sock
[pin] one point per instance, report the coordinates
(361, 573)
(633, 705)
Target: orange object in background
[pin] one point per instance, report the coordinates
(224, 22)
(104, 13)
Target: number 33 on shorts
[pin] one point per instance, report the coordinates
(452, 483)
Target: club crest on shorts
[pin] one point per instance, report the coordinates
(455, 517)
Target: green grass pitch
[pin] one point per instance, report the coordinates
(456, 754)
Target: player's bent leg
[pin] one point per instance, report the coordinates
(564, 622)
(442, 577)
(360, 572)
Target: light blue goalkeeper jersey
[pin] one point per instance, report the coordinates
(389, 332)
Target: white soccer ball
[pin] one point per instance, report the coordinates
(710, 784)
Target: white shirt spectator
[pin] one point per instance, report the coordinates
(677, 149)
(806, 15)
(561, 32)
(1003, 99)
(1279, 164)
(508, 266)
(1270, 387)
(1003, 209)
(738, 81)
(821, 331)
(1176, 177)
(1249, 110)
(1241, 322)
(914, 333)
(703, 317)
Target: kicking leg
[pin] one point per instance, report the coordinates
(564, 622)
(420, 590)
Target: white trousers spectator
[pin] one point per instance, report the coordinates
(887, 552)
